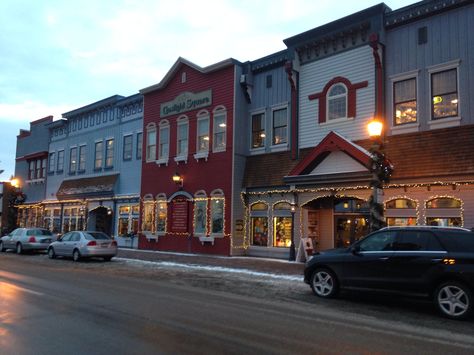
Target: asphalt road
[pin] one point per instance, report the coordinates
(125, 307)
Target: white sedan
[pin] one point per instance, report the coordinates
(83, 244)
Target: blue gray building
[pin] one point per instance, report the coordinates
(91, 161)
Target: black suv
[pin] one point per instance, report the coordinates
(437, 262)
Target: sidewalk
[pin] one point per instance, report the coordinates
(273, 266)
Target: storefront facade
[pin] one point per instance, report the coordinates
(91, 170)
(188, 166)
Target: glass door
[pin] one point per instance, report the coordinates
(349, 229)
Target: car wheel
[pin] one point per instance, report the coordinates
(51, 253)
(454, 300)
(76, 256)
(107, 258)
(324, 283)
(2, 248)
(19, 248)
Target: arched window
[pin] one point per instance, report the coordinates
(259, 224)
(401, 212)
(337, 102)
(200, 213)
(161, 213)
(282, 224)
(444, 211)
(217, 212)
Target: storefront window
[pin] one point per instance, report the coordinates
(128, 220)
(259, 224)
(217, 216)
(147, 216)
(401, 221)
(281, 231)
(401, 212)
(161, 216)
(259, 231)
(443, 202)
(444, 211)
(200, 216)
(444, 222)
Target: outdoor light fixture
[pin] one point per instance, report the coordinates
(15, 182)
(177, 179)
(375, 128)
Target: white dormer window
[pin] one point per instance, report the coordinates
(337, 102)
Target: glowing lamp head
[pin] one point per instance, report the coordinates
(177, 179)
(15, 182)
(375, 128)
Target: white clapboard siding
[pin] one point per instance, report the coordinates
(356, 65)
(338, 162)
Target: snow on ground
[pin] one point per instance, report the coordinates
(213, 269)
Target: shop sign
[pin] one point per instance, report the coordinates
(239, 228)
(187, 101)
(179, 216)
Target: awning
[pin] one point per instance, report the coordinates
(97, 186)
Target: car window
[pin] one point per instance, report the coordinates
(17, 232)
(43, 232)
(96, 235)
(75, 237)
(457, 241)
(66, 237)
(380, 241)
(415, 240)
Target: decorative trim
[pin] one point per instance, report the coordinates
(351, 96)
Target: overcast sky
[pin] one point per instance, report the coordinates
(57, 55)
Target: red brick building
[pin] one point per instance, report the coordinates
(189, 135)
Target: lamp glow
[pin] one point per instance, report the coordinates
(375, 128)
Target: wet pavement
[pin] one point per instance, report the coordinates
(274, 266)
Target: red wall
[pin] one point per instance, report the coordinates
(215, 173)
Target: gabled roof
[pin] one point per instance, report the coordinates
(332, 142)
(180, 62)
(445, 155)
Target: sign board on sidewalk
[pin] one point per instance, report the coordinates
(305, 249)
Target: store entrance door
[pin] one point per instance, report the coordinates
(349, 229)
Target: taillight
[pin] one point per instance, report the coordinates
(32, 240)
(91, 243)
(114, 243)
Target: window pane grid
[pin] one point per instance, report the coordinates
(444, 94)
(258, 131)
(280, 123)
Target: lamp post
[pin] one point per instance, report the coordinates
(292, 256)
(381, 169)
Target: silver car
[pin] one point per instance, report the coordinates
(23, 239)
(83, 244)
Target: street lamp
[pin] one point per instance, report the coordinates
(292, 256)
(381, 169)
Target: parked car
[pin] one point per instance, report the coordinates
(436, 262)
(83, 244)
(23, 239)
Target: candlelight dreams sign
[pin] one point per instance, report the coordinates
(179, 216)
(186, 101)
